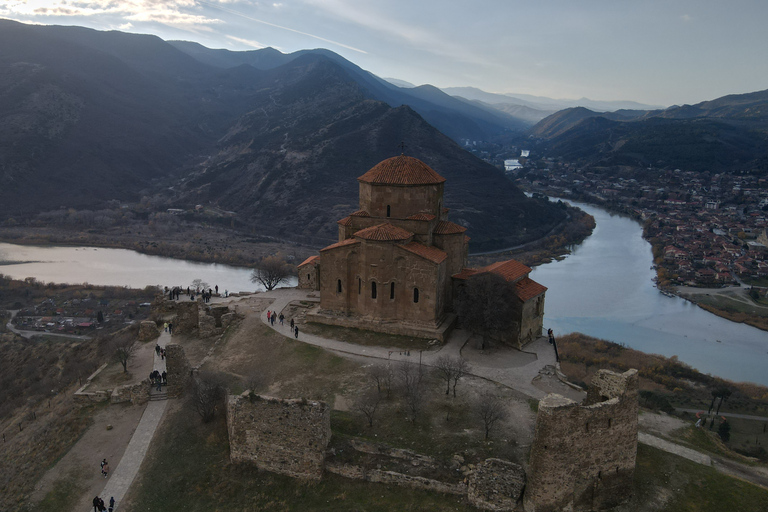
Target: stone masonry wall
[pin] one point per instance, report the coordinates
(136, 394)
(583, 455)
(496, 485)
(283, 436)
(187, 317)
(178, 369)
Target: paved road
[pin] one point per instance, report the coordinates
(122, 477)
(30, 334)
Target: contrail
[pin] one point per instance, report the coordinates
(236, 13)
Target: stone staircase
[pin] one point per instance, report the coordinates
(155, 395)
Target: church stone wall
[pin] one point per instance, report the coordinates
(309, 278)
(283, 436)
(403, 201)
(583, 455)
(531, 321)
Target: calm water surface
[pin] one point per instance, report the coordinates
(117, 267)
(605, 289)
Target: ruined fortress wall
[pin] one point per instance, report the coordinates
(283, 436)
(187, 317)
(178, 368)
(583, 455)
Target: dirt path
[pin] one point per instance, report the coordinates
(81, 462)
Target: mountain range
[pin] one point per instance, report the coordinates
(89, 116)
(725, 134)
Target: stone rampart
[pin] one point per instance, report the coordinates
(178, 369)
(187, 317)
(394, 478)
(284, 436)
(148, 330)
(496, 485)
(583, 455)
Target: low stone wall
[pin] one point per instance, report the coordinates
(439, 333)
(148, 330)
(282, 436)
(393, 478)
(136, 394)
(83, 397)
(496, 485)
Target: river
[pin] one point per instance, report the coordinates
(605, 289)
(118, 267)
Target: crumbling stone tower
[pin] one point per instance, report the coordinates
(583, 455)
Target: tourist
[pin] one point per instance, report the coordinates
(103, 463)
(551, 336)
(296, 332)
(269, 314)
(95, 504)
(165, 377)
(165, 326)
(111, 504)
(105, 470)
(282, 317)
(291, 323)
(217, 289)
(170, 328)
(157, 349)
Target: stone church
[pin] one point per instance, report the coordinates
(399, 260)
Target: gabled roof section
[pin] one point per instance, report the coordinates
(360, 213)
(346, 221)
(445, 227)
(432, 254)
(511, 270)
(527, 289)
(383, 233)
(401, 170)
(310, 260)
(343, 243)
(422, 216)
(465, 273)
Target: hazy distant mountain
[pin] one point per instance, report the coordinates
(544, 103)
(723, 134)
(455, 118)
(88, 116)
(400, 83)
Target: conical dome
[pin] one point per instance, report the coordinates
(401, 170)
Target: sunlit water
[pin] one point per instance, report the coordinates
(118, 267)
(605, 289)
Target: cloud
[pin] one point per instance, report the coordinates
(686, 17)
(247, 42)
(178, 13)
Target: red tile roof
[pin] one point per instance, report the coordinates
(348, 241)
(346, 221)
(465, 273)
(383, 232)
(527, 289)
(511, 270)
(422, 216)
(311, 259)
(445, 227)
(433, 254)
(360, 213)
(401, 170)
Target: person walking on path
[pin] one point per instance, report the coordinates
(103, 463)
(105, 469)
(281, 317)
(111, 504)
(165, 326)
(292, 324)
(170, 328)
(296, 332)
(96, 504)
(269, 314)
(157, 349)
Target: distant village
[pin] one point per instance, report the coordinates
(707, 229)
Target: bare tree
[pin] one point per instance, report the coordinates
(271, 271)
(486, 304)
(367, 403)
(411, 382)
(208, 394)
(123, 346)
(254, 381)
(460, 369)
(381, 376)
(491, 410)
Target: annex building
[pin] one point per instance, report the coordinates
(399, 261)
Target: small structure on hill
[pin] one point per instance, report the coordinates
(583, 455)
(394, 266)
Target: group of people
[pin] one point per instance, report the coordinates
(158, 379)
(273, 316)
(98, 504)
(168, 327)
(160, 350)
(175, 293)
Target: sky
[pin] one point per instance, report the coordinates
(658, 52)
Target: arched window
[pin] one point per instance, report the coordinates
(373, 289)
(359, 285)
(308, 278)
(388, 210)
(392, 290)
(415, 295)
(338, 285)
